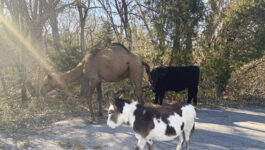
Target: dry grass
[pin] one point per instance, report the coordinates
(41, 112)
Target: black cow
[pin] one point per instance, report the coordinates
(175, 79)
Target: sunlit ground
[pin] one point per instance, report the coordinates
(216, 129)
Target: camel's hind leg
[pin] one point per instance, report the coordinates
(136, 76)
(99, 92)
(91, 89)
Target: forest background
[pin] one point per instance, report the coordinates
(226, 38)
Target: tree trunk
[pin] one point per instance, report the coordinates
(22, 72)
(84, 87)
(2, 77)
(55, 32)
(37, 86)
(127, 27)
(218, 91)
(83, 10)
(82, 37)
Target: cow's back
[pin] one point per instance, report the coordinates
(179, 78)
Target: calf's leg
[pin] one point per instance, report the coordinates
(187, 138)
(150, 145)
(181, 141)
(141, 142)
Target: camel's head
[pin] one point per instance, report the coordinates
(49, 83)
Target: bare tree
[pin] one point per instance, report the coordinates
(83, 7)
(30, 17)
(54, 8)
(106, 6)
(17, 14)
(122, 8)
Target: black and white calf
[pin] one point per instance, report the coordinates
(161, 124)
(175, 79)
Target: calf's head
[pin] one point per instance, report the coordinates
(119, 112)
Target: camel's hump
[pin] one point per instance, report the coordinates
(96, 50)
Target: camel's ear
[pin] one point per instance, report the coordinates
(49, 76)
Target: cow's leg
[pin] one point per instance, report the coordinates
(141, 142)
(91, 89)
(195, 95)
(150, 145)
(161, 97)
(181, 141)
(156, 98)
(99, 98)
(190, 95)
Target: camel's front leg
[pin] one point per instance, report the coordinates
(136, 76)
(99, 92)
(91, 89)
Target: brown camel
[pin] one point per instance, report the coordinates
(111, 64)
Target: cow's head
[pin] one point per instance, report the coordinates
(156, 74)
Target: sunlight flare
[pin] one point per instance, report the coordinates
(29, 46)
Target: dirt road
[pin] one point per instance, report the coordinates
(216, 129)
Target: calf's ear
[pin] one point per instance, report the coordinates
(121, 96)
(110, 99)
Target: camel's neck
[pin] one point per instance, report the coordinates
(73, 74)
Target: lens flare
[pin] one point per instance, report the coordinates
(29, 46)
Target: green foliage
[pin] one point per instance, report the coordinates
(240, 40)
(244, 31)
(105, 36)
(69, 57)
(175, 25)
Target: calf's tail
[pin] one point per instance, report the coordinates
(193, 130)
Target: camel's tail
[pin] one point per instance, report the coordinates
(147, 68)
